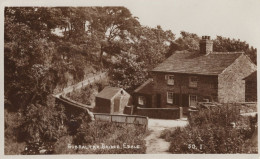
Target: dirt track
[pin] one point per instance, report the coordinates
(154, 143)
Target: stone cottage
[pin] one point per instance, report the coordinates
(111, 100)
(186, 78)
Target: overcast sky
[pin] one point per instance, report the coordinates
(239, 19)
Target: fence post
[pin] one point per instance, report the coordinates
(132, 109)
(181, 112)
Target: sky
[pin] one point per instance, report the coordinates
(239, 19)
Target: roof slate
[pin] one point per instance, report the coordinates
(195, 63)
(108, 92)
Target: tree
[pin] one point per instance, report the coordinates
(127, 72)
(110, 27)
(222, 44)
(151, 45)
(172, 48)
(29, 74)
(188, 41)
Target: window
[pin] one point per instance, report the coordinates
(170, 97)
(193, 100)
(170, 80)
(193, 82)
(141, 100)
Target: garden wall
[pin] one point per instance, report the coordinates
(128, 110)
(160, 113)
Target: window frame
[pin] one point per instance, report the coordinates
(190, 98)
(172, 100)
(192, 83)
(143, 99)
(170, 81)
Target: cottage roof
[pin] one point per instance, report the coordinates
(196, 63)
(108, 92)
(146, 87)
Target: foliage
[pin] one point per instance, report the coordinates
(222, 44)
(128, 73)
(43, 122)
(12, 122)
(38, 61)
(98, 133)
(188, 41)
(110, 27)
(151, 45)
(211, 131)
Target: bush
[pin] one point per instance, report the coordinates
(13, 145)
(211, 131)
(104, 133)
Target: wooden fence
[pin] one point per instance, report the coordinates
(128, 119)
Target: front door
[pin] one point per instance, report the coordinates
(193, 100)
(117, 104)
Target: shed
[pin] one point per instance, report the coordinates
(112, 100)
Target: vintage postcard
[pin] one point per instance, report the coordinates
(170, 78)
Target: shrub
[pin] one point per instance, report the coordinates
(210, 131)
(98, 133)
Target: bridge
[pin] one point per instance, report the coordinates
(79, 107)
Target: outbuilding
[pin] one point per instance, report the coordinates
(112, 100)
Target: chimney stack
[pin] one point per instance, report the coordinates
(206, 45)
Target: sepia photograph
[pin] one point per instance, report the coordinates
(130, 77)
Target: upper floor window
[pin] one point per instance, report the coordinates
(193, 81)
(141, 100)
(170, 97)
(170, 79)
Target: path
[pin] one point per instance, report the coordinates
(154, 143)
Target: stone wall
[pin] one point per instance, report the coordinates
(207, 87)
(231, 84)
(160, 113)
(128, 110)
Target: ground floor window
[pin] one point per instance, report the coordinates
(170, 97)
(141, 100)
(193, 100)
